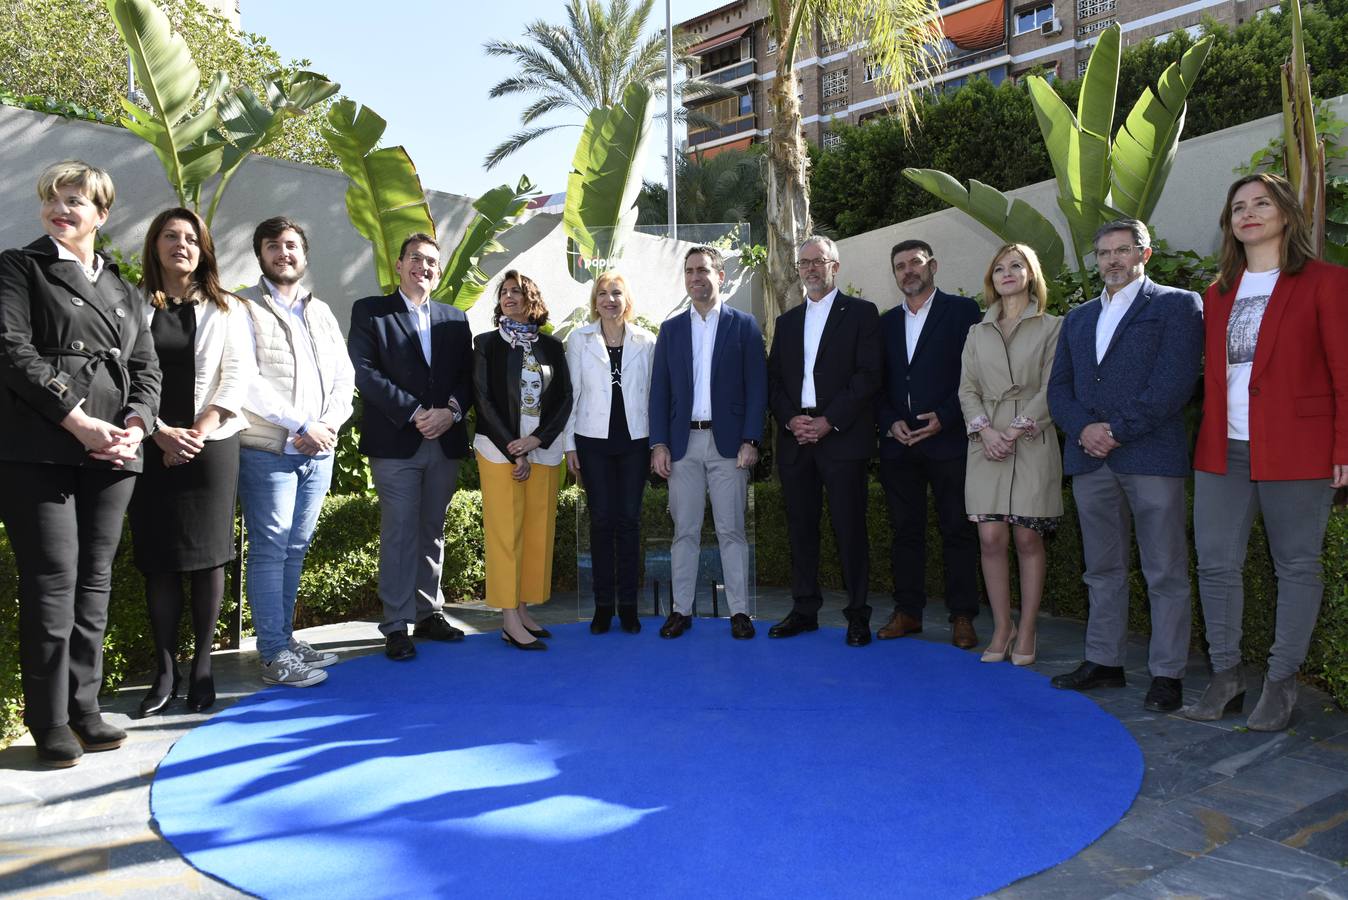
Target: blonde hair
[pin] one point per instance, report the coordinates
(629, 311)
(1037, 288)
(95, 183)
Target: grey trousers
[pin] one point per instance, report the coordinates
(414, 496)
(701, 471)
(1295, 515)
(1104, 500)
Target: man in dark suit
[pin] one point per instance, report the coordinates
(708, 396)
(923, 442)
(823, 371)
(1126, 365)
(414, 369)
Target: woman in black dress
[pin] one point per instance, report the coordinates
(182, 516)
(78, 386)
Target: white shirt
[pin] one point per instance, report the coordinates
(308, 406)
(1112, 311)
(704, 343)
(90, 272)
(1242, 335)
(421, 321)
(816, 314)
(913, 322)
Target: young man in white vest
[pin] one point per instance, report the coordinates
(295, 408)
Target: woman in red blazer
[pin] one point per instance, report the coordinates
(1274, 438)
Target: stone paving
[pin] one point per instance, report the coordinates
(1223, 812)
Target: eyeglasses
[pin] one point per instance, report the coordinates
(1120, 253)
(813, 263)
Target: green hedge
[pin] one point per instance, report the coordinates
(340, 578)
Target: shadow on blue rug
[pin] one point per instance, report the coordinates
(630, 766)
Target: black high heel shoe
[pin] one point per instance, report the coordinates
(154, 704)
(532, 645)
(631, 622)
(602, 621)
(539, 632)
(201, 695)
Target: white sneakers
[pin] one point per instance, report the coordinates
(290, 670)
(314, 659)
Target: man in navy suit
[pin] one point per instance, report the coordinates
(414, 369)
(708, 397)
(923, 442)
(1126, 365)
(823, 373)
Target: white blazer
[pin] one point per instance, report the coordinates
(225, 364)
(591, 382)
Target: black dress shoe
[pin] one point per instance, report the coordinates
(795, 623)
(675, 625)
(1089, 675)
(741, 627)
(201, 695)
(436, 628)
(539, 632)
(628, 618)
(1164, 695)
(57, 747)
(96, 735)
(399, 647)
(154, 704)
(602, 621)
(532, 645)
(858, 633)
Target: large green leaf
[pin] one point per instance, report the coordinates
(1146, 143)
(169, 78)
(247, 124)
(385, 200)
(1014, 221)
(602, 189)
(463, 280)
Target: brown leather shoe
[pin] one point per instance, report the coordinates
(962, 633)
(899, 625)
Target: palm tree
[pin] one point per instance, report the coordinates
(903, 36)
(727, 187)
(585, 65)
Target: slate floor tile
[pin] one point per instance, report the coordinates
(1186, 826)
(1114, 862)
(1332, 753)
(1320, 829)
(1249, 868)
(1270, 791)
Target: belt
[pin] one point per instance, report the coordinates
(700, 424)
(83, 379)
(809, 411)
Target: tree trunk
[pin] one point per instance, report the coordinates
(788, 200)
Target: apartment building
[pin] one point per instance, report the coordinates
(993, 39)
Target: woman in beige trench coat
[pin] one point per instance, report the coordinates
(1013, 484)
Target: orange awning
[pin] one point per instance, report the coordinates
(720, 40)
(741, 144)
(979, 27)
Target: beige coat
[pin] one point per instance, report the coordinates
(1003, 379)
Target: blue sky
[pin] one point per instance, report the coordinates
(420, 65)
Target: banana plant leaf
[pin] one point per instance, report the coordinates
(169, 78)
(464, 280)
(602, 189)
(247, 124)
(1011, 220)
(1145, 146)
(385, 200)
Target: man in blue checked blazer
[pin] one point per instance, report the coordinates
(1126, 365)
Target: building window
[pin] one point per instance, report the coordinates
(1092, 27)
(1081, 66)
(772, 44)
(834, 84)
(1088, 8)
(746, 104)
(1195, 32)
(830, 140)
(874, 71)
(1028, 20)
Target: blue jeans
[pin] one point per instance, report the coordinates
(282, 495)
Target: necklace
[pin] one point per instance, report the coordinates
(608, 341)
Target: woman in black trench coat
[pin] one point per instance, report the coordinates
(78, 384)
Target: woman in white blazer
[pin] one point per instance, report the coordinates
(607, 442)
(182, 514)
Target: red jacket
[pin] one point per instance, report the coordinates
(1299, 383)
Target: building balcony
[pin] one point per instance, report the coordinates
(973, 59)
(705, 135)
(725, 74)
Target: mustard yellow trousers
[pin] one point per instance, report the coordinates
(519, 522)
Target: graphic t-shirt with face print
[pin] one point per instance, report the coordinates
(1242, 336)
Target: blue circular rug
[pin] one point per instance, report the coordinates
(630, 766)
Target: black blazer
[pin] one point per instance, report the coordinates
(496, 380)
(394, 379)
(931, 380)
(846, 375)
(63, 340)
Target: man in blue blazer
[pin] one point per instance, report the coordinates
(708, 398)
(1127, 363)
(823, 373)
(923, 443)
(414, 370)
